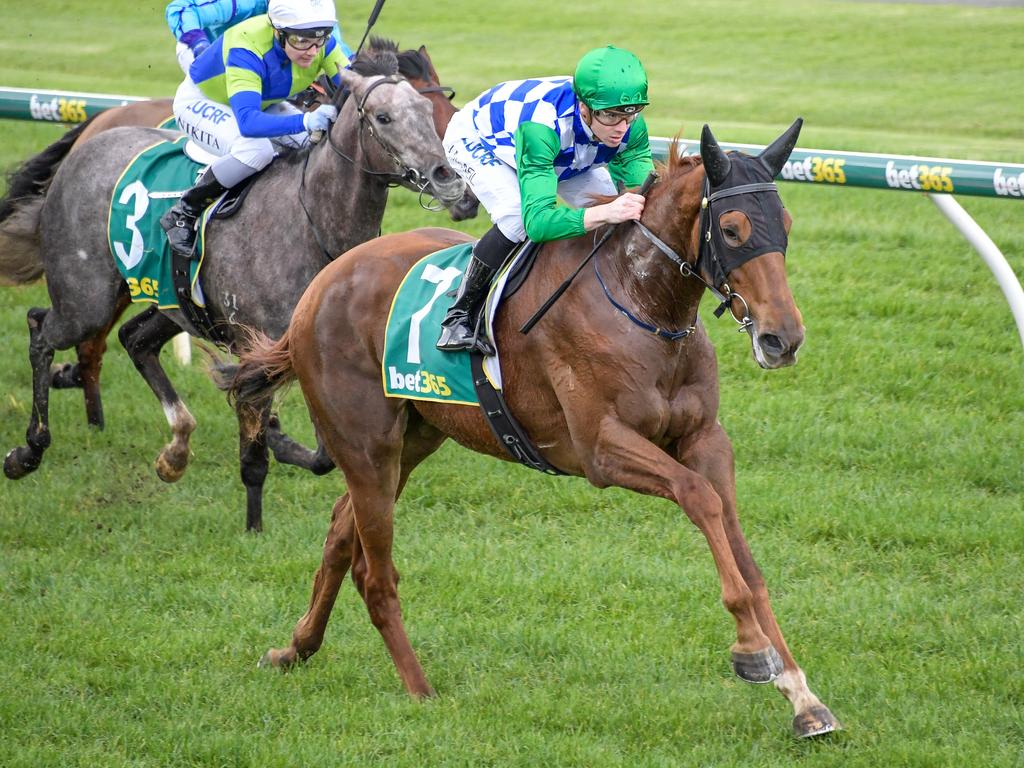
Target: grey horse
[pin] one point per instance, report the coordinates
(307, 208)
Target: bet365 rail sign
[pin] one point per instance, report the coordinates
(857, 169)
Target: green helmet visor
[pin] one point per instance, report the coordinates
(610, 78)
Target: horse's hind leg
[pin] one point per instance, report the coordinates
(287, 451)
(368, 553)
(26, 458)
(308, 635)
(252, 454)
(142, 337)
(712, 457)
(85, 374)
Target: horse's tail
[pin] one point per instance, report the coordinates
(263, 368)
(20, 210)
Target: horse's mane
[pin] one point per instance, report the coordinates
(410, 63)
(377, 61)
(675, 163)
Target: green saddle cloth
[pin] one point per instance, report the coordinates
(148, 188)
(412, 367)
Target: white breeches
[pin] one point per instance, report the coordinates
(496, 185)
(213, 126)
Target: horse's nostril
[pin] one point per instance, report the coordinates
(772, 343)
(442, 174)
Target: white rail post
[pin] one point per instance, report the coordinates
(989, 252)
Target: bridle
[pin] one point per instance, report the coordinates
(709, 262)
(365, 125)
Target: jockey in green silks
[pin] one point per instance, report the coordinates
(522, 144)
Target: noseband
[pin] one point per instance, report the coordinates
(709, 262)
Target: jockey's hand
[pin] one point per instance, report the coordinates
(626, 207)
(320, 119)
(196, 40)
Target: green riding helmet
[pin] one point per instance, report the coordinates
(610, 78)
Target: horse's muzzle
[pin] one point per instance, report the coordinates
(466, 208)
(777, 348)
(446, 185)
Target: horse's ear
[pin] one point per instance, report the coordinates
(430, 64)
(716, 162)
(775, 155)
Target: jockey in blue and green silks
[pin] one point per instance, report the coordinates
(232, 103)
(197, 23)
(522, 144)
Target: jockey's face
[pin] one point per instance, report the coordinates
(609, 135)
(302, 57)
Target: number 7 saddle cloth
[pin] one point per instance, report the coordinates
(412, 367)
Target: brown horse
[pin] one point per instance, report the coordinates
(604, 392)
(415, 65)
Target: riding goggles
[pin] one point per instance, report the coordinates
(305, 39)
(612, 117)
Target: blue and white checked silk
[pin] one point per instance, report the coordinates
(550, 101)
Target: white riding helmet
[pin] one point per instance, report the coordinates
(301, 14)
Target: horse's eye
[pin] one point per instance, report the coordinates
(383, 118)
(731, 233)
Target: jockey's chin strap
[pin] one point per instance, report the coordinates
(708, 261)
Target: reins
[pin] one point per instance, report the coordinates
(413, 176)
(707, 261)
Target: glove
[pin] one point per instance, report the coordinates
(196, 40)
(185, 56)
(319, 119)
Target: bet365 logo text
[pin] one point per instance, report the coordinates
(1008, 186)
(59, 110)
(927, 178)
(823, 170)
(421, 382)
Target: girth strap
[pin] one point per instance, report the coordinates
(504, 426)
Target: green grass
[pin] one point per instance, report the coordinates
(880, 480)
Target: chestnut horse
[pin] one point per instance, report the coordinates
(605, 392)
(415, 65)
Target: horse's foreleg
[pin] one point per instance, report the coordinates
(142, 337)
(338, 552)
(624, 458)
(26, 458)
(711, 456)
(287, 451)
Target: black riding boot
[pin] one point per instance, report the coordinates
(180, 222)
(459, 329)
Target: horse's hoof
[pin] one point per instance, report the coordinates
(166, 471)
(816, 721)
(20, 461)
(758, 667)
(277, 657)
(65, 376)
